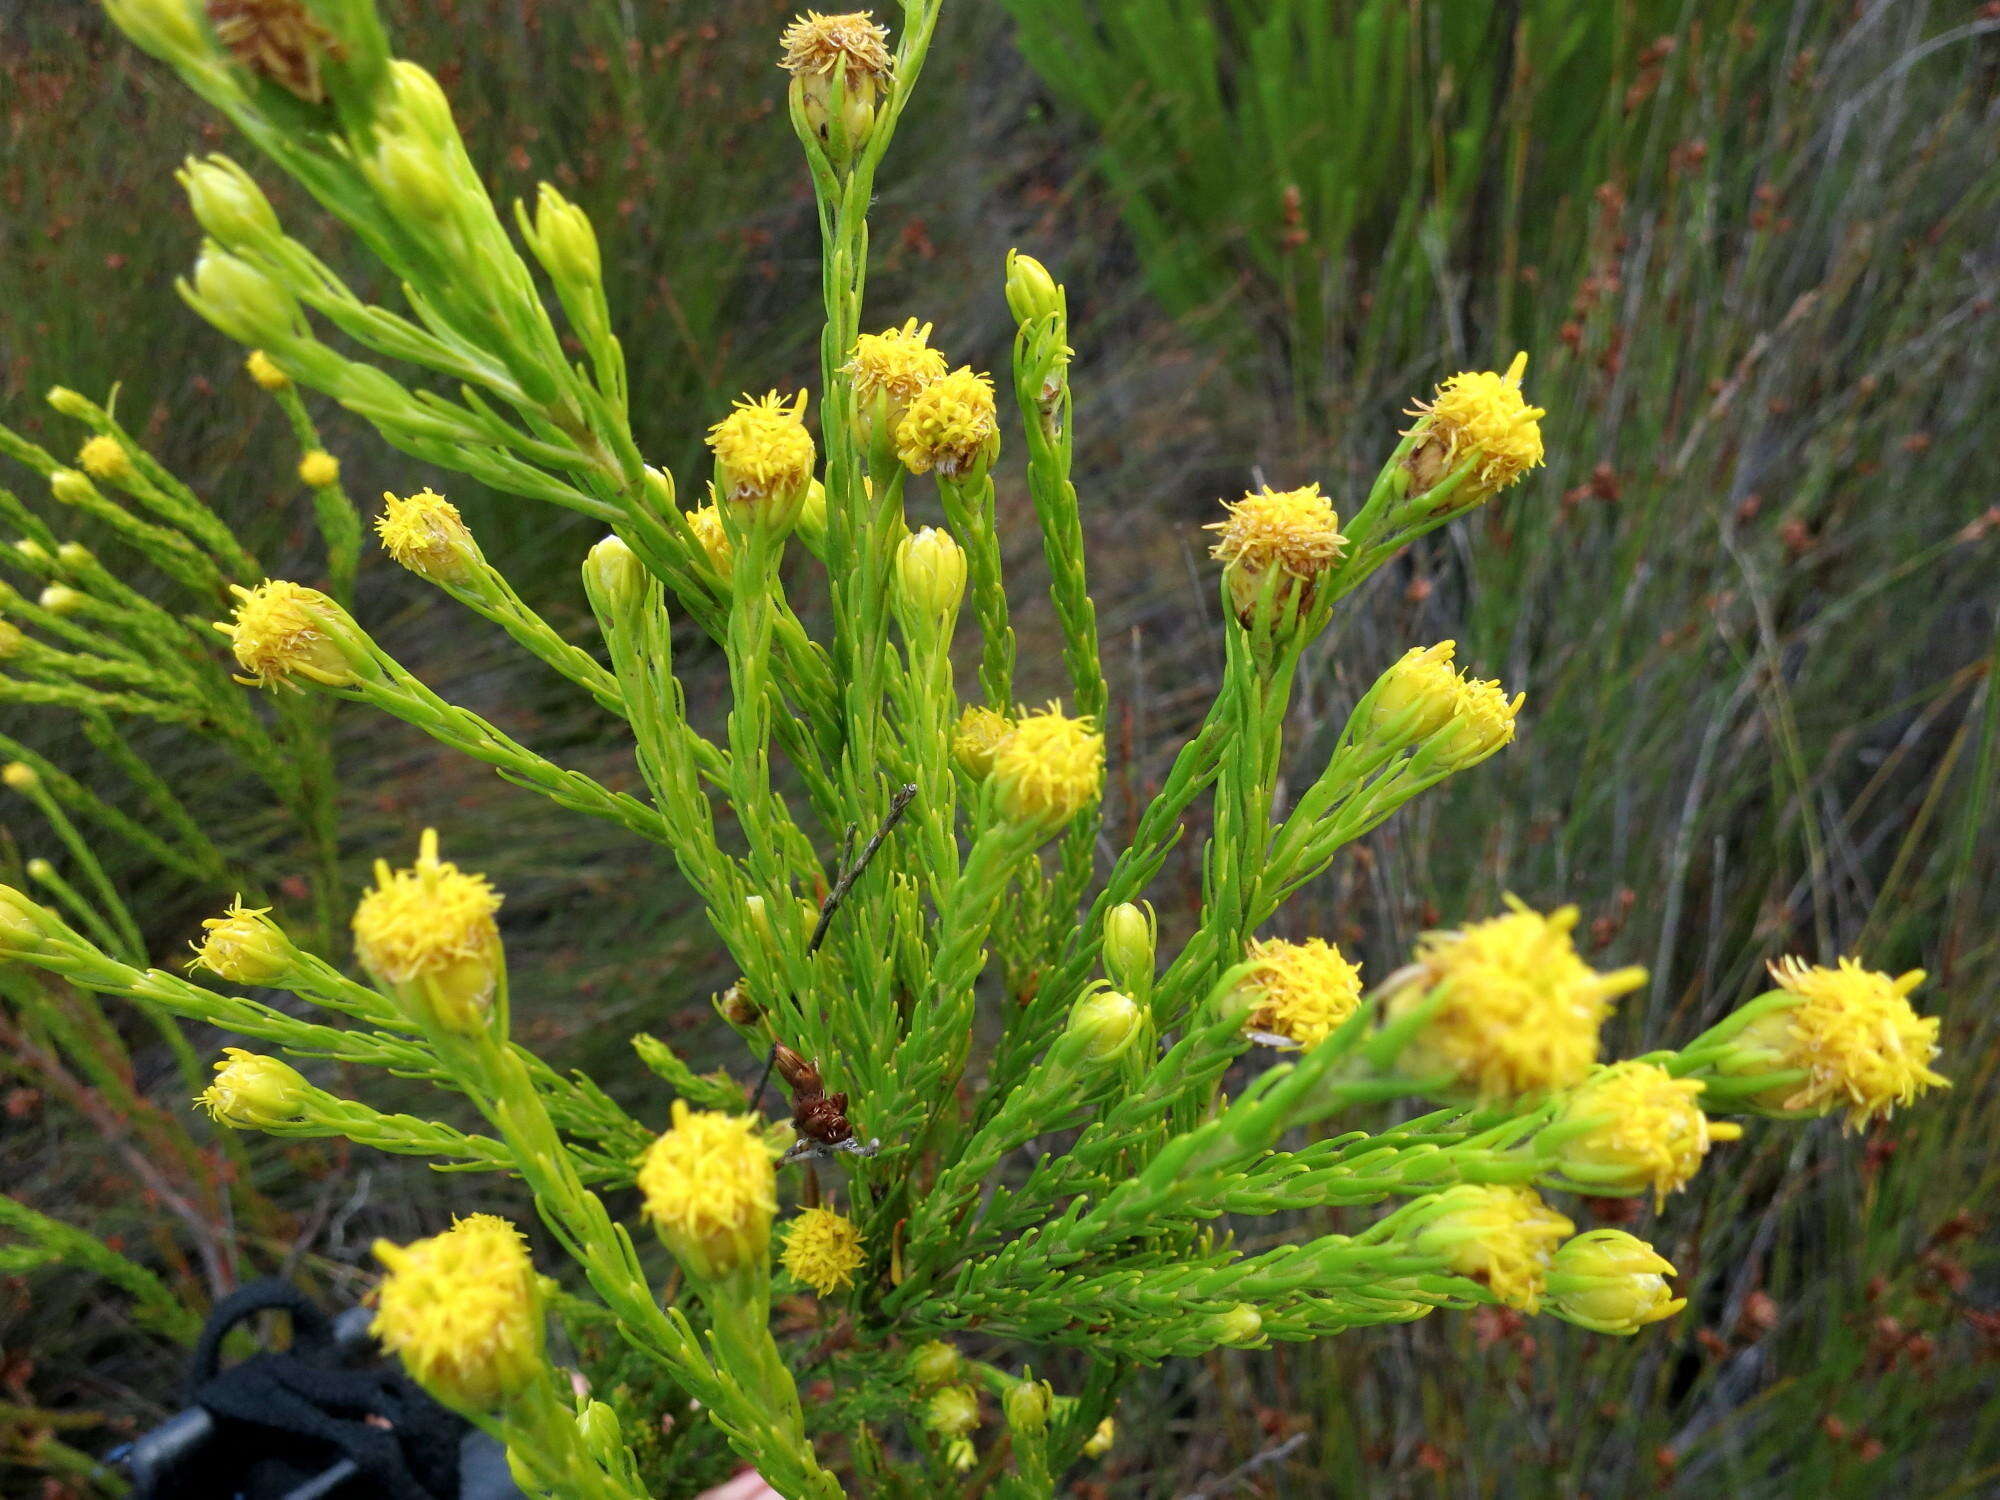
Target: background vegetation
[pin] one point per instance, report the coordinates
(1752, 250)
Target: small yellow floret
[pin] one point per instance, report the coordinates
(320, 469)
(1649, 1130)
(19, 776)
(1304, 990)
(425, 533)
(1048, 769)
(264, 372)
(1520, 1012)
(817, 44)
(1607, 1280)
(706, 524)
(1292, 533)
(463, 1312)
(1853, 1031)
(1424, 695)
(1501, 1236)
(429, 933)
(243, 946)
(1478, 416)
(283, 630)
(710, 1189)
(1099, 1442)
(980, 731)
(105, 457)
(763, 451)
(252, 1092)
(952, 425)
(896, 363)
(823, 1249)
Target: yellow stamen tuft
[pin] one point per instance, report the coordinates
(817, 44)
(1854, 1033)
(425, 533)
(1519, 1012)
(1480, 417)
(284, 630)
(710, 1190)
(980, 731)
(264, 372)
(463, 1312)
(1649, 1130)
(1304, 990)
(428, 932)
(706, 524)
(105, 457)
(1501, 1236)
(952, 425)
(895, 364)
(823, 1250)
(1291, 533)
(1048, 769)
(243, 946)
(1607, 1280)
(252, 1092)
(763, 453)
(1101, 1438)
(320, 469)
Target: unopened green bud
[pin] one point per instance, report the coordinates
(241, 300)
(34, 554)
(930, 575)
(1240, 1327)
(1027, 1404)
(165, 28)
(1105, 1023)
(71, 487)
(614, 578)
(953, 1411)
(811, 525)
(227, 203)
(1031, 292)
(73, 557)
(60, 599)
(564, 239)
(934, 1363)
(25, 926)
(659, 489)
(1131, 935)
(1607, 1280)
(70, 403)
(598, 1426)
(11, 640)
(419, 101)
(411, 178)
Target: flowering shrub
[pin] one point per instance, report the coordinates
(967, 974)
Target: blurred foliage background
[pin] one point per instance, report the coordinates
(1753, 251)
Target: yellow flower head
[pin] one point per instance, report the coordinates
(1048, 769)
(1424, 695)
(817, 44)
(463, 1312)
(823, 1249)
(952, 1412)
(105, 457)
(253, 1092)
(1607, 1280)
(1649, 1130)
(282, 631)
(1099, 1442)
(428, 933)
(1293, 534)
(951, 425)
(706, 524)
(424, 533)
(1502, 1236)
(1853, 1032)
(895, 364)
(1519, 1011)
(980, 731)
(710, 1190)
(1304, 990)
(264, 372)
(1480, 417)
(764, 455)
(320, 469)
(243, 946)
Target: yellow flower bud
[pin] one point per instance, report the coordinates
(1607, 1280)
(1104, 1024)
(1048, 769)
(1424, 698)
(319, 469)
(823, 1250)
(264, 372)
(930, 576)
(428, 933)
(463, 1312)
(60, 599)
(1100, 1441)
(1303, 991)
(165, 28)
(952, 1411)
(1131, 939)
(244, 946)
(1027, 1404)
(1479, 418)
(706, 524)
(20, 777)
(934, 1363)
(282, 631)
(425, 533)
(253, 1092)
(105, 457)
(11, 640)
(710, 1189)
(73, 557)
(613, 577)
(980, 732)
(1642, 1129)
(227, 203)
(951, 425)
(1500, 1236)
(1031, 291)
